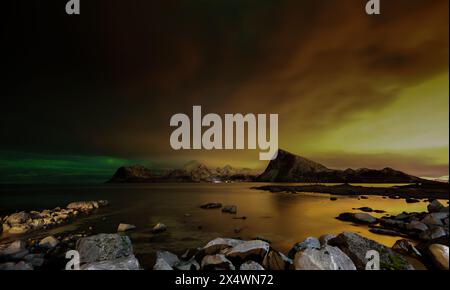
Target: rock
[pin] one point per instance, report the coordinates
(435, 206)
(434, 232)
(86, 206)
(325, 238)
(416, 226)
(411, 200)
(169, 258)
(19, 229)
(230, 209)
(211, 205)
(364, 197)
(365, 209)
(276, 261)
(249, 249)
(18, 218)
(49, 242)
(159, 227)
(13, 248)
(326, 258)
(20, 266)
(251, 266)
(36, 260)
(362, 218)
(124, 263)
(356, 247)
(161, 265)
(216, 262)
(333, 198)
(392, 223)
(385, 232)
(432, 220)
(188, 265)
(125, 227)
(308, 243)
(217, 245)
(104, 247)
(405, 247)
(439, 256)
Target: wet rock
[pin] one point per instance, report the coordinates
(326, 258)
(217, 245)
(276, 261)
(11, 266)
(125, 263)
(14, 248)
(249, 249)
(49, 242)
(19, 229)
(435, 206)
(439, 256)
(433, 219)
(104, 247)
(216, 262)
(416, 226)
(159, 227)
(125, 227)
(364, 197)
(251, 266)
(365, 209)
(412, 200)
(333, 198)
(356, 247)
(392, 223)
(18, 218)
(405, 247)
(325, 238)
(230, 209)
(385, 232)
(211, 205)
(168, 257)
(308, 243)
(434, 232)
(361, 218)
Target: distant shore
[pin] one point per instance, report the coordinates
(418, 191)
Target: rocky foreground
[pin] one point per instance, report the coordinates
(346, 251)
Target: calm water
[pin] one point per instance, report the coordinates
(283, 219)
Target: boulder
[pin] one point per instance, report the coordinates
(211, 205)
(435, 232)
(190, 265)
(361, 218)
(124, 263)
(276, 261)
(326, 258)
(104, 247)
(18, 218)
(168, 257)
(216, 262)
(159, 227)
(405, 247)
(435, 206)
(125, 227)
(356, 247)
(251, 266)
(308, 243)
(439, 256)
(161, 265)
(416, 226)
(216, 245)
(230, 209)
(392, 223)
(433, 220)
(13, 248)
(249, 249)
(49, 242)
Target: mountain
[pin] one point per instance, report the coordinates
(288, 167)
(193, 171)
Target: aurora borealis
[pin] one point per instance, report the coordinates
(83, 95)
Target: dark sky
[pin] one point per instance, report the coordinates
(350, 89)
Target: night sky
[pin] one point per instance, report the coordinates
(82, 95)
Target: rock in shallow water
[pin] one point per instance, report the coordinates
(230, 209)
(308, 243)
(49, 242)
(326, 258)
(125, 227)
(356, 247)
(159, 228)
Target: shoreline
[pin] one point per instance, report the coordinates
(424, 191)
